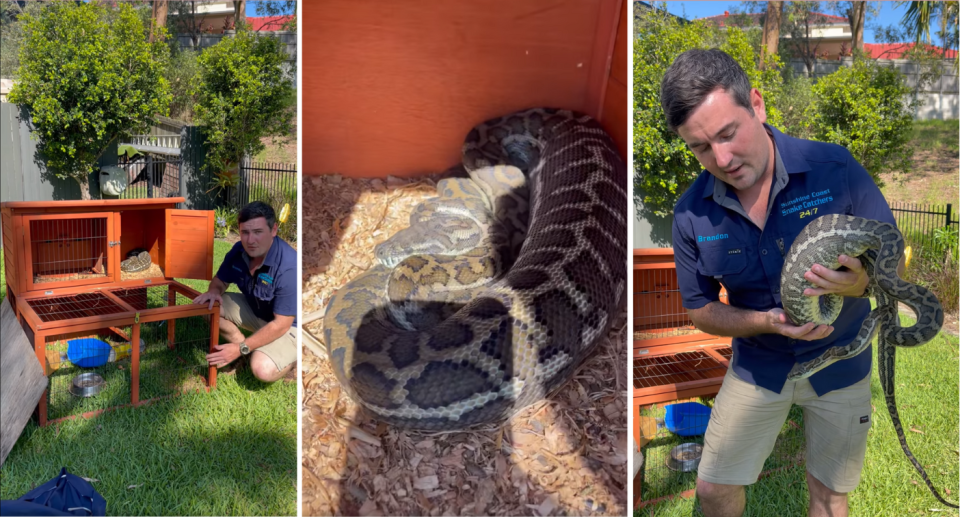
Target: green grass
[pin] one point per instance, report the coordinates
(935, 135)
(927, 398)
(228, 452)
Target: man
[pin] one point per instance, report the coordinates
(733, 227)
(264, 268)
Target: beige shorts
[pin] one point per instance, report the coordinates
(236, 310)
(746, 420)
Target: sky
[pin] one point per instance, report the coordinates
(890, 13)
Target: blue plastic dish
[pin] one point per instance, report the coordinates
(687, 418)
(88, 352)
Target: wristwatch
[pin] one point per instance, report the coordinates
(244, 349)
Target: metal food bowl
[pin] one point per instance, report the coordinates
(87, 385)
(685, 457)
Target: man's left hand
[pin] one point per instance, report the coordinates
(224, 355)
(850, 282)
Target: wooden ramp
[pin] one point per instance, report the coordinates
(21, 380)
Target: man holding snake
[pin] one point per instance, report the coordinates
(733, 228)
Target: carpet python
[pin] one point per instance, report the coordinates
(500, 287)
(879, 247)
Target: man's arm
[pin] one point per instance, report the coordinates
(214, 293)
(720, 319)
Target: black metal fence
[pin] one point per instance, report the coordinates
(919, 223)
(274, 183)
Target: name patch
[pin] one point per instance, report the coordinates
(708, 238)
(734, 252)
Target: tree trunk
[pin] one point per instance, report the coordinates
(857, 16)
(84, 182)
(239, 13)
(771, 31)
(159, 17)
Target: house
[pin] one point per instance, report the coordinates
(831, 33)
(216, 17)
(897, 50)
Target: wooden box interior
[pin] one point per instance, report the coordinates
(392, 88)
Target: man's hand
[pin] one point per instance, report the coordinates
(224, 355)
(780, 324)
(208, 297)
(852, 282)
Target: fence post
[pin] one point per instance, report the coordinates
(949, 211)
(148, 169)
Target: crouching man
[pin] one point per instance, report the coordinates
(264, 268)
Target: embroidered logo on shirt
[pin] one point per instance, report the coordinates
(734, 252)
(864, 419)
(805, 203)
(717, 237)
(265, 279)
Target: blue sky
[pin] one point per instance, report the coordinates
(890, 13)
(252, 7)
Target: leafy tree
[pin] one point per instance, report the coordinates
(280, 8)
(665, 167)
(242, 96)
(863, 108)
(87, 74)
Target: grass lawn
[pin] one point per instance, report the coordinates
(927, 397)
(932, 178)
(228, 452)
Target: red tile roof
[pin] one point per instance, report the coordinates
(896, 50)
(268, 23)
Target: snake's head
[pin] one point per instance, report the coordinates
(384, 255)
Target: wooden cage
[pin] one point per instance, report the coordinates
(393, 88)
(62, 265)
(671, 359)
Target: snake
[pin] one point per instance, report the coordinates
(879, 246)
(502, 285)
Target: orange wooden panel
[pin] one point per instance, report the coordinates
(616, 99)
(91, 205)
(394, 87)
(189, 244)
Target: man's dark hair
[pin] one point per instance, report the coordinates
(258, 209)
(693, 76)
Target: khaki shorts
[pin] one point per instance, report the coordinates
(746, 420)
(236, 310)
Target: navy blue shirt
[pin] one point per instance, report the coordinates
(272, 288)
(715, 244)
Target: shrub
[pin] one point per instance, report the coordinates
(864, 109)
(87, 74)
(181, 73)
(664, 165)
(793, 103)
(242, 96)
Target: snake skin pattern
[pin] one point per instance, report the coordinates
(879, 247)
(501, 286)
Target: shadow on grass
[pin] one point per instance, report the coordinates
(198, 454)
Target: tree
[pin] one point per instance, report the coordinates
(920, 15)
(242, 96)
(158, 18)
(803, 18)
(771, 30)
(856, 15)
(239, 13)
(87, 74)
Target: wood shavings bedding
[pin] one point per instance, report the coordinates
(566, 455)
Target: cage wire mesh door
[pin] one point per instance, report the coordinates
(70, 249)
(105, 355)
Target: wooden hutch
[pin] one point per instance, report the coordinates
(63, 278)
